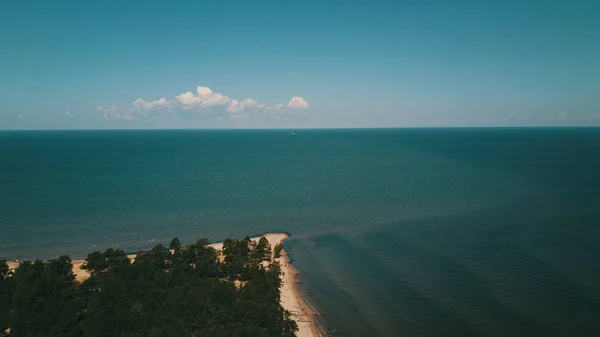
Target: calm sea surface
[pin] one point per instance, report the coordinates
(440, 232)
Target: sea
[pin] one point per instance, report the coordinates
(397, 232)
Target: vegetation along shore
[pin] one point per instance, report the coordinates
(241, 287)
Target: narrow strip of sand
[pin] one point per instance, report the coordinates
(292, 301)
(291, 298)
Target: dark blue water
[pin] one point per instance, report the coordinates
(441, 232)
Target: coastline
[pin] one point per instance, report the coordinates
(294, 302)
(291, 298)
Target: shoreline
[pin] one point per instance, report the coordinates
(291, 298)
(302, 312)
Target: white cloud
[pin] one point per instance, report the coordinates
(297, 102)
(186, 99)
(20, 116)
(237, 106)
(149, 109)
(596, 114)
(205, 99)
(202, 91)
(204, 102)
(143, 105)
(114, 113)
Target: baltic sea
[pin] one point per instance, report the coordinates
(398, 232)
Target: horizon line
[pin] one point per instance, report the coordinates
(320, 129)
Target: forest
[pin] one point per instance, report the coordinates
(167, 291)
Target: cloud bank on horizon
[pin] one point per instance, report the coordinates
(204, 103)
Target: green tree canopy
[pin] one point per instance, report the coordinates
(175, 244)
(188, 293)
(44, 299)
(97, 262)
(262, 250)
(277, 250)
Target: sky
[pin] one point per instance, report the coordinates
(298, 64)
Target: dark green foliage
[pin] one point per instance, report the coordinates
(175, 244)
(187, 293)
(262, 250)
(277, 250)
(5, 300)
(237, 257)
(159, 257)
(44, 299)
(3, 269)
(97, 262)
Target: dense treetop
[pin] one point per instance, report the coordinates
(175, 291)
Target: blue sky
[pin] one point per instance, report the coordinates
(269, 64)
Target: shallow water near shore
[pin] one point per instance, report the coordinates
(447, 232)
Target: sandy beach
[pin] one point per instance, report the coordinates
(292, 301)
(291, 298)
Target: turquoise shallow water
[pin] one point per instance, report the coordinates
(446, 232)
